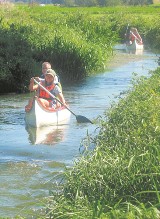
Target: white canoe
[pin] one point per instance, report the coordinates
(39, 116)
(134, 46)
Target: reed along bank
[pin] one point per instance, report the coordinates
(119, 178)
(78, 42)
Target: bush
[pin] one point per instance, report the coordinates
(17, 64)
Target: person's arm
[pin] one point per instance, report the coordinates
(61, 98)
(32, 86)
(130, 36)
(59, 95)
(56, 79)
(138, 36)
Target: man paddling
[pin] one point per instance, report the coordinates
(134, 35)
(49, 83)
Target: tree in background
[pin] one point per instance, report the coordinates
(80, 2)
(92, 3)
(113, 2)
(69, 3)
(102, 3)
(56, 1)
(137, 2)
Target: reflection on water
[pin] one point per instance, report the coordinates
(49, 135)
(125, 49)
(134, 51)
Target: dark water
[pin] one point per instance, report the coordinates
(31, 159)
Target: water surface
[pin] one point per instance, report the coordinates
(30, 159)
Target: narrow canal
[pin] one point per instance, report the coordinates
(30, 158)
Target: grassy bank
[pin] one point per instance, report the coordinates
(77, 41)
(75, 44)
(120, 177)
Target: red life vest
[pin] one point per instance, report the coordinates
(132, 38)
(43, 94)
(136, 37)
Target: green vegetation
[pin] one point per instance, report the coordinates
(77, 41)
(76, 45)
(120, 178)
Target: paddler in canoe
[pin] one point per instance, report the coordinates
(134, 36)
(49, 83)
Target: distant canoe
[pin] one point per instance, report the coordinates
(39, 116)
(134, 46)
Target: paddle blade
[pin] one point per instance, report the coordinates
(83, 119)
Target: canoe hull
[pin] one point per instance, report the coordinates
(134, 46)
(39, 116)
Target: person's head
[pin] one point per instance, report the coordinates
(49, 75)
(45, 66)
(133, 29)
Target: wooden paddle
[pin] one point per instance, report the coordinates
(126, 34)
(80, 119)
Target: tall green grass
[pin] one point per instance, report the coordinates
(77, 42)
(120, 178)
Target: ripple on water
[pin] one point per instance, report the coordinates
(25, 184)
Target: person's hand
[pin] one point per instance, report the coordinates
(37, 79)
(65, 104)
(58, 105)
(32, 80)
